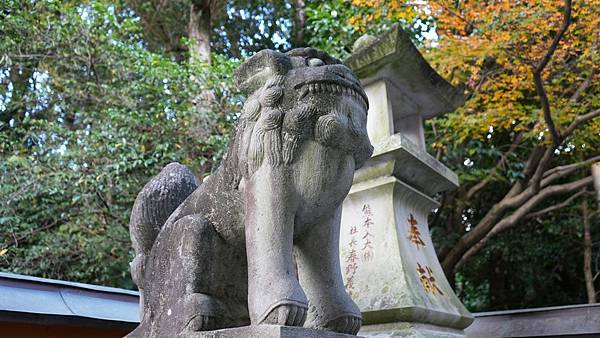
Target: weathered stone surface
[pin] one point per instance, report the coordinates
(393, 57)
(389, 263)
(392, 271)
(227, 255)
(402, 88)
(398, 156)
(269, 331)
(411, 330)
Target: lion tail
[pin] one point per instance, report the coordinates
(153, 205)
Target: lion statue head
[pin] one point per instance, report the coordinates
(303, 94)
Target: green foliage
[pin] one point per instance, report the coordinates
(328, 27)
(240, 27)
(335, 25)
(88, 114)
(537, 265)
(252, 25)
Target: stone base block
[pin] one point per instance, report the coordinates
(412, 330)
(269, 331)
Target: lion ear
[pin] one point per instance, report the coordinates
(254, 72)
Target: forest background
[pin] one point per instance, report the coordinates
(97, 96)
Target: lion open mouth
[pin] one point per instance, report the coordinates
(333, 88)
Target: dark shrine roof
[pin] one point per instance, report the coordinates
(26, 299)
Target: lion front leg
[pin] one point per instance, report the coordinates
(274, 293)
(331, 307)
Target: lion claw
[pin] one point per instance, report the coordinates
(346, 324)
(286, 314)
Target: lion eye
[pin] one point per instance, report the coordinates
(315, 62)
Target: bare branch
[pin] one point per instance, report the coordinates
(554, 207)
(541, 168)
(566, 22)
(536, 180)
(26, 235)
(580, 120)
(561, 171)
(520, 212)
(539, 88)
(571, 166)
(539, 68)
(587, 252)
(530, 166)
(518, 194)
(477, 187)
(582, 88)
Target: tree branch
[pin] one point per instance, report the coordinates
(25, 236)
(560, 171)
(536, 179)
(554, 207)
(582, 88)
(573, 165)
(530, 165)
(516, 196)
(539, 68)
(566, 22)
(477, 187)
(520, 212)
(580, 120)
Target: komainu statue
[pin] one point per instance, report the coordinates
(257, 242)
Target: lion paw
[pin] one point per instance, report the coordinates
(348, 324)
(286, 314)
(201, 323)
(204, 312)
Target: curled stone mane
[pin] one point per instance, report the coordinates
(267, 132)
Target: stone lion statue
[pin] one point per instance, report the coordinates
(257, 242)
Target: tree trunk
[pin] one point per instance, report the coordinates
(199, 29)
(299, 23)
(587, 253)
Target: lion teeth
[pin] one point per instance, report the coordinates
(313, 88)
(303, 93)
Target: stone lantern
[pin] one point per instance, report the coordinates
(388, 260)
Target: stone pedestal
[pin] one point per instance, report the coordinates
(269, 331)
(388, 261)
